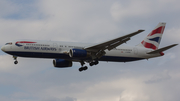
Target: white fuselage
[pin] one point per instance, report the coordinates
(59, 50)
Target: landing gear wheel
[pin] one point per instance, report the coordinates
(83, 68)
(15, 62)
(94, 63)
(91, 64)
(80, 69)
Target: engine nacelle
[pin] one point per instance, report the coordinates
(60, 63)
(78, 53)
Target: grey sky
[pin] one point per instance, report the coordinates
(89, 21)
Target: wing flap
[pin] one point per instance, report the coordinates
(117, 44)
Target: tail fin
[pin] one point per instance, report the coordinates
(153, 39)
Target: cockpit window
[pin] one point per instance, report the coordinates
(10, 43)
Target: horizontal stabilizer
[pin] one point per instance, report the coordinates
(162, 49)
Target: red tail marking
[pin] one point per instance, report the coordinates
(159, 30)
(148, 45)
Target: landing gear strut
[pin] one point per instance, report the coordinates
(83, 68)
(15, 58)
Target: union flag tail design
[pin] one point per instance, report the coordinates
(153, 39)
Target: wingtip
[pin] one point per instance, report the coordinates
(141, 30)
(176, 44)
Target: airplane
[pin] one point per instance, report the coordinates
(65, 53)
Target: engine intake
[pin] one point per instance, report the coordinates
(78, 53)
(60, 63)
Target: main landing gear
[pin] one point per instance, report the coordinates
(83, 67)
(15, 58)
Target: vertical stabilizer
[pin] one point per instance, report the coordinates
(153, 39)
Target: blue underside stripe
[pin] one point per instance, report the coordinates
(65, 56)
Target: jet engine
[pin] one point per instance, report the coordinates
(78, 53)
(60, 63)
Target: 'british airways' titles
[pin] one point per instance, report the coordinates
(40, 48)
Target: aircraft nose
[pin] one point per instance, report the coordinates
(3, 48)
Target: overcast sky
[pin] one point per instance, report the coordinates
(89, 21)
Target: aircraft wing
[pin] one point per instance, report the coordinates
(98, 49)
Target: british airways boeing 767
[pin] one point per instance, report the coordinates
(64, 53)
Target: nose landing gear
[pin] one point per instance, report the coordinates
(15, 58)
